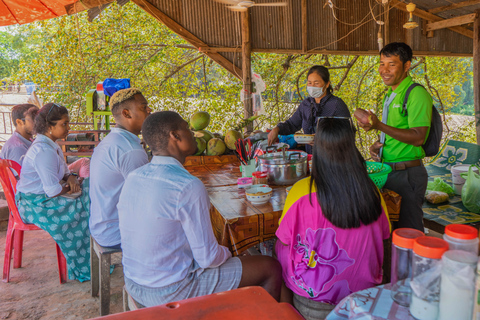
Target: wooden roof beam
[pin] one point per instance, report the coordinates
(457, 21)
(431, 17)
(83, 5)
(454, 6)
(188, 36)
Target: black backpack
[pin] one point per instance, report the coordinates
(432, 144)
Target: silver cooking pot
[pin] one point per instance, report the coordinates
(283, 168)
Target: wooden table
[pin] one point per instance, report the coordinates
(237, 223)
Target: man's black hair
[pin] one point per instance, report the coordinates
(400, 49)
(19, 111)
(157, 127)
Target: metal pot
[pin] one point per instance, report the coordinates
(283, 168)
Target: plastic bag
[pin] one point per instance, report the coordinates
(436, 197)
(471, 190)
(439, 185)
(110, 86)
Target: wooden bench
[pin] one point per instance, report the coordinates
(65, 143)
(100, 260)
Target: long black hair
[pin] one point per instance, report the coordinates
(346, 194)
(323, 73)
(48, 117)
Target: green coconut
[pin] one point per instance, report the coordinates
(215, 147)
(200, 120)
(205, 134)
(201, 145)
(230, 137)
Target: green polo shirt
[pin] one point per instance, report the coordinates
(419, 108)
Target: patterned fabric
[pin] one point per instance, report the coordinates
(66, 220)
(372, 304)
(321, 261)
(452, 153)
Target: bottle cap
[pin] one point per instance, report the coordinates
(405, 237)
(430, 247)
(461, 231)
(100, 86)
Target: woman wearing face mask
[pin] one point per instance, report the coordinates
(321, 102)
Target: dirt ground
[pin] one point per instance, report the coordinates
(34, 291)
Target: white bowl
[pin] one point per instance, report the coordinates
(258, 194)
(304, 138)
(288, 189)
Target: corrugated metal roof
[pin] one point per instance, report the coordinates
(347, 27)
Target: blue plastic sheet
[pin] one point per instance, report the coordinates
(290, 140)
(110, 86)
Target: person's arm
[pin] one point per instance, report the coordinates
(194, 214)
(414, 136)
(292, 125)
(46, 166)
(419, 107)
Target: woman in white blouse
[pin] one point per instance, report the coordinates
(53, 198)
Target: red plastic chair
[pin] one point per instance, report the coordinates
(16, 226)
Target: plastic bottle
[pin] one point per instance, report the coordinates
(476, 303)
(426, 272)
(402, 254)
(101, 99)
(462, 237)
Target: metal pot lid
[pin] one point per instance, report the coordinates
(278, 157)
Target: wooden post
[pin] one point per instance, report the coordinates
(247, 67)
(476, 72)
(304, 27)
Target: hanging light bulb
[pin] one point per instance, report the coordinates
(410, 23)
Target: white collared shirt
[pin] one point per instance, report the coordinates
(119, 153)
(165, 224)
(15, 148)
(43, 167)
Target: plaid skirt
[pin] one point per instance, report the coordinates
(66, 220)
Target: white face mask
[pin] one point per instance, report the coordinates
(315, 92)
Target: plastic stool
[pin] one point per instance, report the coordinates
(100, 260)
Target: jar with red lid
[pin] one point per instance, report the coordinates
(462, 237)
(260, 177)
(402, 254)
(426, 273)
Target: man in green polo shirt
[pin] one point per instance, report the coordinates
(402, 137)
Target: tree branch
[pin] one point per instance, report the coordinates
(349, 66)
(178, 68)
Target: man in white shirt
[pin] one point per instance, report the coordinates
(18, 144)
(112, 160)
(169, 250)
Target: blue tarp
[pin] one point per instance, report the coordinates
(110, 86)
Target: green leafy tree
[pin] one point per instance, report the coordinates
(69, 55)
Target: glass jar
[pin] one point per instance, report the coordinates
(260, 177)
(425, 282)
(402, 254)
(476, 303)
(461, 237)
(457, 285)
